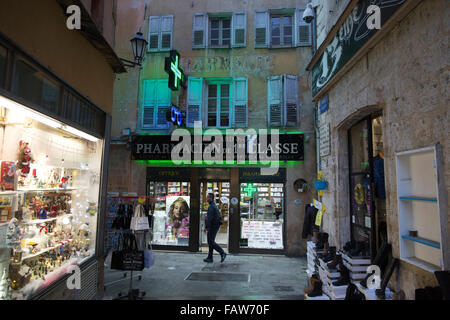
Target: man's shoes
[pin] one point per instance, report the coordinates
(208, 260)
(222, 257)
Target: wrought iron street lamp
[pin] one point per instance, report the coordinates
(139, 46)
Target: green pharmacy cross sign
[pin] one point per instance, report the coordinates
(250, 189)
(176, 74)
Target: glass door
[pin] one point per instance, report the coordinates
(221, 191)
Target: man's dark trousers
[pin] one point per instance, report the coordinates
(211, 236)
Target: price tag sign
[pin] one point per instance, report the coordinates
(318, 205)
(319, 215)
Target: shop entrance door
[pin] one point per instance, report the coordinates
(221, 191)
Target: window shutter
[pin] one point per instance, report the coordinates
(240, 100)
(163, 94)
(239, 32)
(199, 30)
(166, 32)
(195, 97)
(291, 100)
(303, 30)
(261, 29)
(275, 101)
(148, 117)
(153, 33)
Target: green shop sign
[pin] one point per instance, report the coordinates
(352, 35)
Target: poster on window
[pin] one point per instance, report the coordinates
(263, 234)
(177, 211)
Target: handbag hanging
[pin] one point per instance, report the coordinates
(132, 258)
(139, 222)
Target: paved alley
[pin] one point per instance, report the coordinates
(184, 276)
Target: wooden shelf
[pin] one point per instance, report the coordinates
(423, 241)
(429, 199)
(422, 264)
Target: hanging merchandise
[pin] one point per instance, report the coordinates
(92, 209)
(139, 222)
(359, 194)
(8, 169)
(25, 159)
(128, 257)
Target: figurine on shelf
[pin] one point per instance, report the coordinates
(25, 159)
(64, 181)
(54, 211)
(92, 209)
(43, 213)
(13, 235)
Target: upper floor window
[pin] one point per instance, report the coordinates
(220, 35)
(282, 101)
(281, 28)
(160, 33)
(155, 104)
(218, 103)
(223, 30)
(3, 55)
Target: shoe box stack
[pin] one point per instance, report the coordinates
(356, 265)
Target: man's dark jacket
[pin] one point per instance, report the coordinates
(213, 220)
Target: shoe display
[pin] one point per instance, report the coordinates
(330, 256)
(352, 293)
(393, 263)
(317, 288)
(443, 278)
(344, 279)
(337, 260)
(314, 278)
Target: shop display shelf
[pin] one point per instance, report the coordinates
(427, 199)
(355, 268)
(369, 294)
(423, 241)
(49, 189)
(322, 297)
(42, 251)
(357, 260)
(45, 220)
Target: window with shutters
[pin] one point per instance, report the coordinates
(155, 104)
(160, 34)
(219, 105)
(281, 28)
(220, 34)
(282, 101)
(219, 30)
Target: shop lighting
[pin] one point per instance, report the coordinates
(21, 109)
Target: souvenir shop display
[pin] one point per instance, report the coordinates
(49, 200)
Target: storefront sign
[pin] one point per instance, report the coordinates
(250, 190)
(168, 174)
(324, 136)
(254, 175)
(159, 147)
(352, 35)
(176, 74)
(176, 116)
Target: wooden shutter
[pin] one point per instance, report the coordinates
(303, 30)
(240, 102)
(163, 94)
(149, 100)
(154, 33)
(199, 30)
(275, 101)
(291, 109)
(239, 29)
(195, 97)
(261, 29)
(166, 32)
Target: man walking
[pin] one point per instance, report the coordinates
(213, 223)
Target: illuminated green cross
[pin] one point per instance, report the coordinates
(250, 189)
(175, 67)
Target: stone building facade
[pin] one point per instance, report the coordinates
(396, 84)
(256, 65)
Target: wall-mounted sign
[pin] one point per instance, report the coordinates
(290, 147)
(168, 174)
(352, 35)
(324, 104)
(254, 175)
(175, 116)
(250, 189)
(324, 136)
(234, 201)
(176, 74)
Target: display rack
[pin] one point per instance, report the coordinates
(422, 208)
(356, 265)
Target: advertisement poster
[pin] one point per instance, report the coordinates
(263, 234)
(177, 211)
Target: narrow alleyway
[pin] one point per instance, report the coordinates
(242, 277)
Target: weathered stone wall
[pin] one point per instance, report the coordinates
(407, 77)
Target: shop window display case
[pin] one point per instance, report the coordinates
(50, 189)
